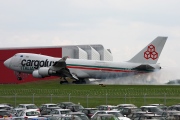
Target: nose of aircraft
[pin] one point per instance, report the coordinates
(7, 62)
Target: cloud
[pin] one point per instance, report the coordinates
(123, 26)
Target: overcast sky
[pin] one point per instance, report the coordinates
(124, 26)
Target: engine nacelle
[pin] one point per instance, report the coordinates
(36, 74)
(45, 71)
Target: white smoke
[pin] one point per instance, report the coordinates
(155, 78)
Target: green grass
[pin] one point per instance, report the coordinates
(88, 95)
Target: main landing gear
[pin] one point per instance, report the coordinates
(65, 81)
(80, 81)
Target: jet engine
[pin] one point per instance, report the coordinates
(36, 74)
(43, 72)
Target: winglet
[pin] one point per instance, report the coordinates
(150, 54)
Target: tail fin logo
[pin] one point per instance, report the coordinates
(151, 53)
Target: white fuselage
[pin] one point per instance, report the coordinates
(27, 63)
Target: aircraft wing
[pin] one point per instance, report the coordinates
(61, 69)
(59, 64)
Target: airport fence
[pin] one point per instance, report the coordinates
(90, 98)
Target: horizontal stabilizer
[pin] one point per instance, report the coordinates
(144, 68)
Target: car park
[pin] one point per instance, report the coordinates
(89, 111)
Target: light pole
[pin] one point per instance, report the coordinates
(106, 98)
(33, 98)
(87, 100)
(145, 99)
(164, 98)
(69, 97)
(125, 99)
(15, 99)
(51, 97)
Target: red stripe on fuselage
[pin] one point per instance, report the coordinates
(99, 69)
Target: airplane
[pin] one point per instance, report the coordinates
(41, 66)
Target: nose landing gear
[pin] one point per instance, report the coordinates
(20, 76)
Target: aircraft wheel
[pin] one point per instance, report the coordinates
(61, 82)
(19, 78)
(64, 82)
(81, 81)
(74, 82)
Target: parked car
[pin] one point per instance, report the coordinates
(63, 105)
(169, 114)
(70, 117)
(105, 117)
(6, 107)
(121, 106)
(4, 114)
(8, 104)
(149, 116)
(107, 107)
(79, 114)
(174, 107)
(29, 113)
(16, 111)
(176, 116)
(89, 111)
(162, 106)
(153, 109)
(60, 112)
(28, 106)
(38, 118)
(115, 113)
(47, 111)
(75, 107)
(129, 110)
(138, 114)
(48, 105)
